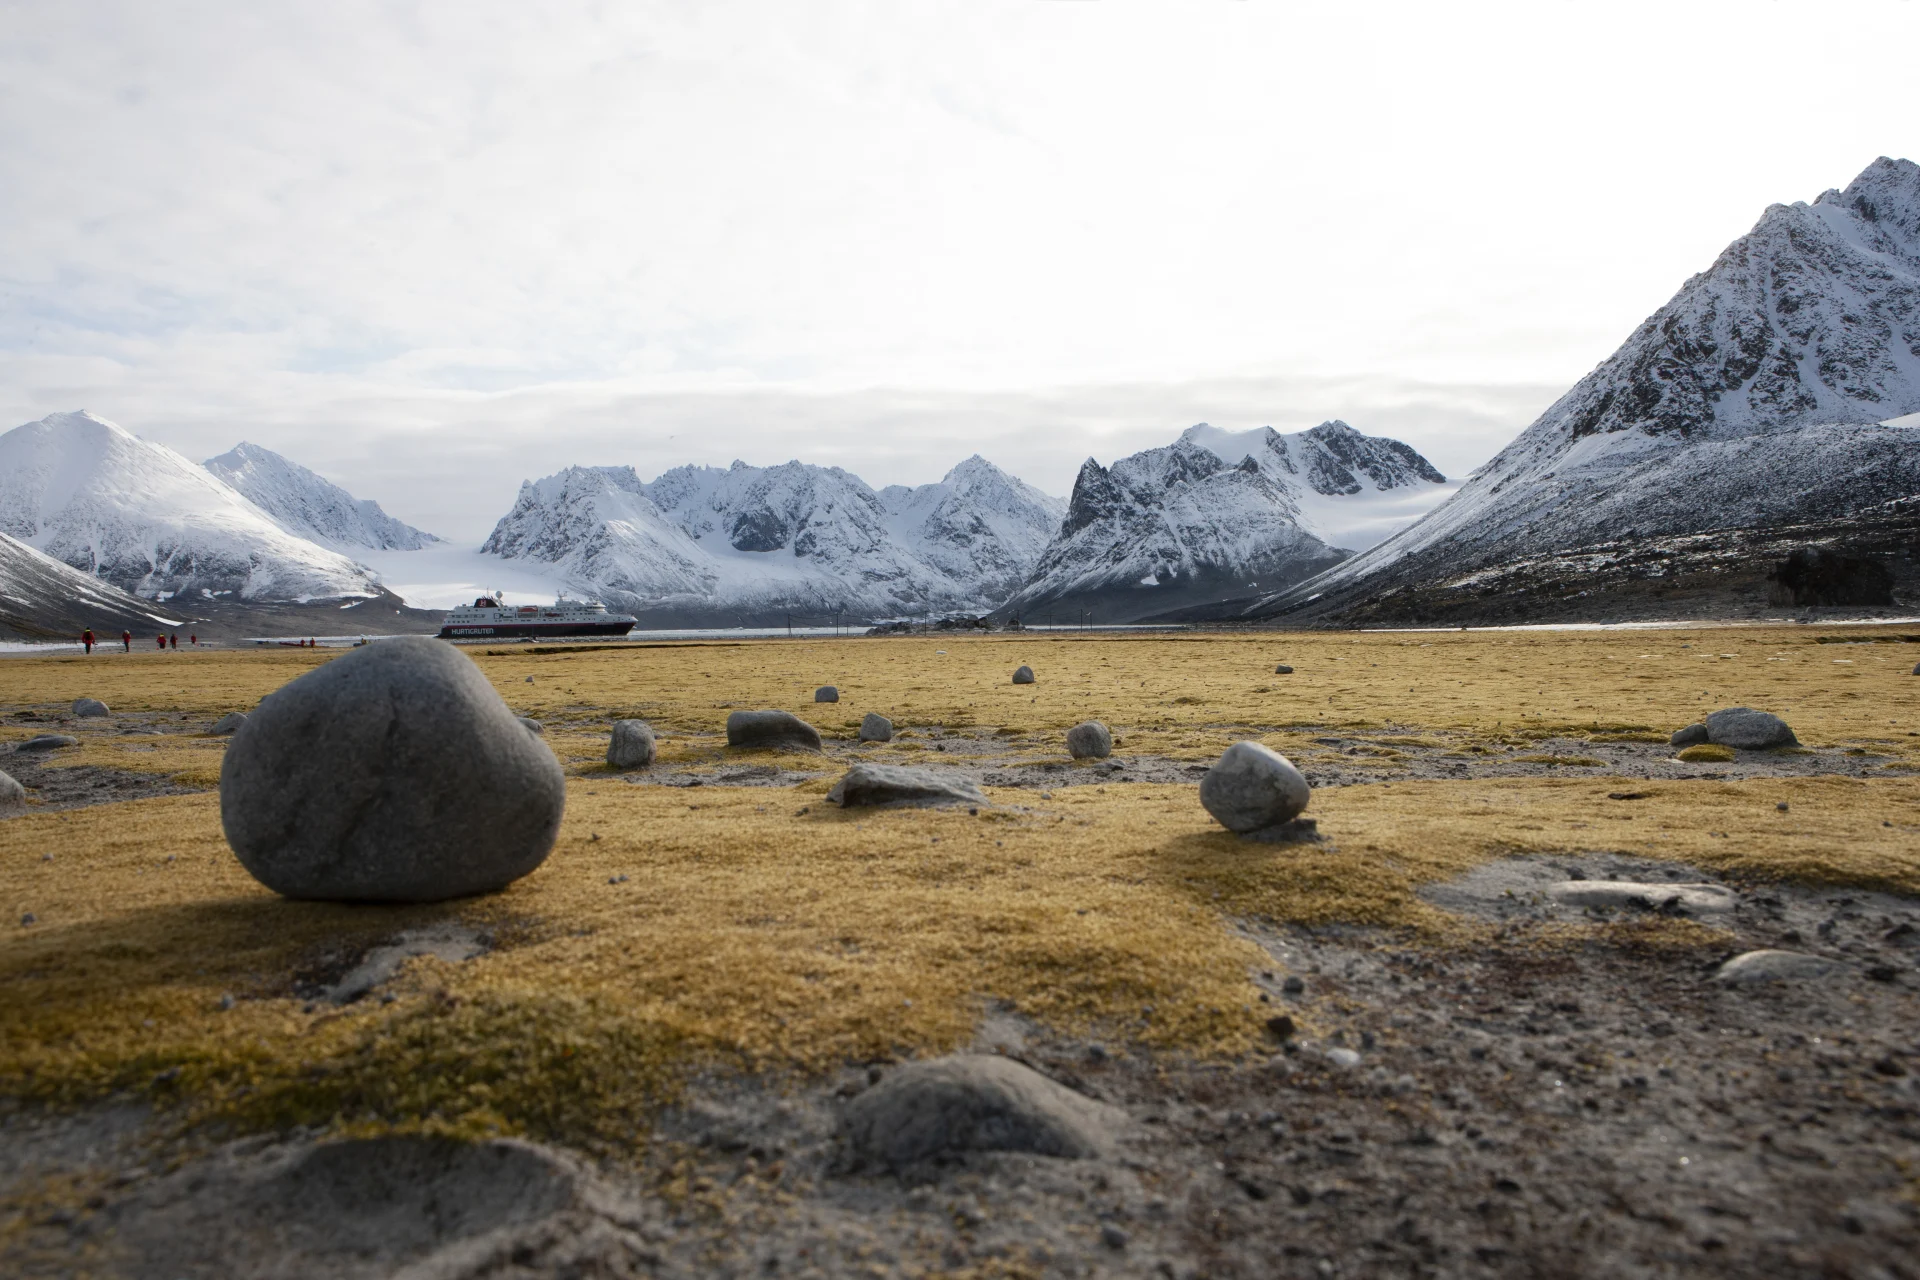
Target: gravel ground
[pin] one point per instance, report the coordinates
(1555, 1102)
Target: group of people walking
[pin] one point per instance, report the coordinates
(163, 641)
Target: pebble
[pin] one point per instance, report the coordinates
(47, 742)
(1294, 985)
(826, 693)
(1692, 735)
(532, 725)
(229, 723)
(1618, 894)
(1251, 787)
(1089, 740)
(1023, 676)
(394, 773)
(632, 745)
(875, 728)
(1749, 730)
(974, 1102)
(26, 919)
(1775, 966)
(1113, 1237)
(778, 730)
(1283, 670)
(88, 707)
(1345, 1058)
(12, 794)
(901, 785)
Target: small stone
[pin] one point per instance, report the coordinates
(26, 919)
(529, 679)
(1656, 896)
(875, 728)
(632, 745)
(826, 693)
(394, 773)
(1916, 669)
(1293, 986)
(1089, 740)
(12, 794)
(893, 785)
(1023, 676)
(86, 708)
(1283, 670)
(1280, 1027)
(532, 725)
(47, 742)
(974, 1102)
(1782, 806)
(229, 723)
(1251, 787)
(1113, 1237)
(1749, 730)
(1687, 737)
(1775, 966)
(226, 1002)
(1346, 1059)
(773, 730)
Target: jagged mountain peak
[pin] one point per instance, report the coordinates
(311, 506)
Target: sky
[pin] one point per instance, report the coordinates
(432, 250)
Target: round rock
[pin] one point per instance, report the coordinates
(229, 723)
(875, 728)
(1283, 670)
(826, 693)
(632, 745)
(900, 785)
(974, 1102)
(1023, 676)
(775, 730)
(1251, 787)
(1089, 740)
(393, 773)
(1749, 730)
(12, 794)
(87, 707)
(1691, 736)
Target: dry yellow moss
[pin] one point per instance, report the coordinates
(752, 934)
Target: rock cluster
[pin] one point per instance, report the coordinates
(901, 786)
(875, 728)
(974, 1102)
(394, 773)
(1023, 676)
(632, 745)
(1089, 740)
(89, 707)
(772, 730)
(1252, 787)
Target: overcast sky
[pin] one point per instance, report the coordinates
(432, 250)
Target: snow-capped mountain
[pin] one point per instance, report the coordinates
(749, 544)
(1757, 396)
(41, 598)
(1221, 515)
(147, 520)
(309, 505)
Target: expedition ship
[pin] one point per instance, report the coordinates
(490, 617)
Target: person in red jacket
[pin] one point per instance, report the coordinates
(161, 640)
(126, 641)
(86, 639)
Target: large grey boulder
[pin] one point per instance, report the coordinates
(1691, 736)
(1251, 787)
(826, 693)
(900, 785)
(86, 708)
(12, 794)
(776, 730)
(47, 742)
(1749, 730)
(632, 745)
(228, 723)
(875, 728)
(974, 1102)
(1089, 740)
(393, 773)
(1023, 676)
